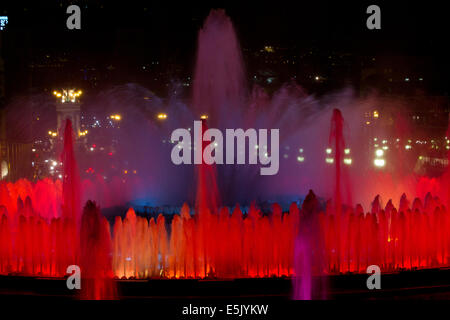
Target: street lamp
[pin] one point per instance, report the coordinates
(162, 116)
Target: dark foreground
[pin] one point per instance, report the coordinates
(417, 284)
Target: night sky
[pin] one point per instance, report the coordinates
(406, 25)
(127, 33)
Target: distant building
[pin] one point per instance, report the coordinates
(68, 107)
(15, 156)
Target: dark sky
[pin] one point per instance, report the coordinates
(136, 31)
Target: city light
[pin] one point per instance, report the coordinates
(83, 133)
(162, 116)
(348, 161)
(117, 117)
(204, 117)
(379, 152)
(379, 162)
(329, 160)
(376, 114)
(328, 150)
(300, 159)
(347, 151)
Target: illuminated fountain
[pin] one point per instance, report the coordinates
(43, 229)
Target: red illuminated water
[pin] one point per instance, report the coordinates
(44, 235)
(37, 239)
(413, 234)
(95, 261)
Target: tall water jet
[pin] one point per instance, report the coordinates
(207, 197)
(338, 143)
(309, 257)
(71, 177)
(70, 193)
(305, 244)
(341, 182)
(219, 85)
(447, 171)
(207, 203)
